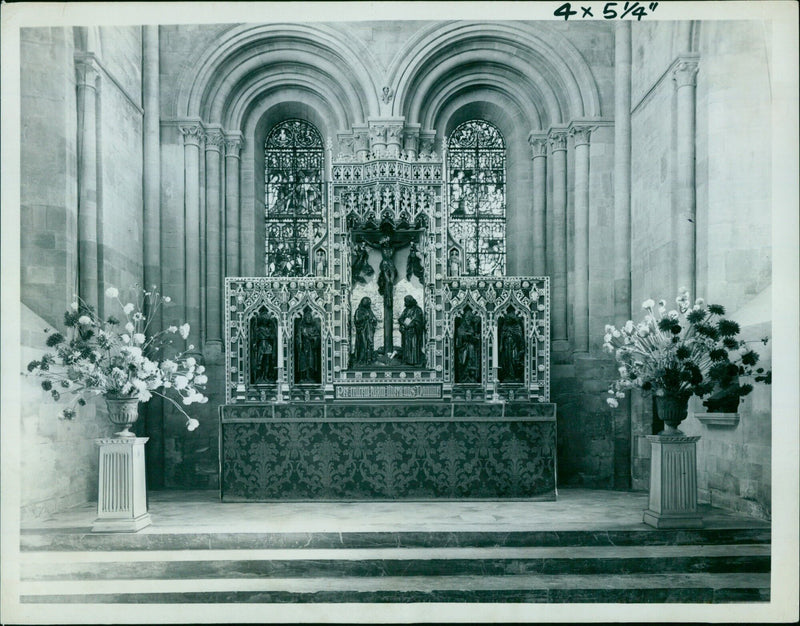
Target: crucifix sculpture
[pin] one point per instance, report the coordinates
(386, 280)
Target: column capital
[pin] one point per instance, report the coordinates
(87, 69)
(684, 72)
(214, 139)
(233, 143)
(558, 139)
(580, 134)
(538, 144)
(192, 132)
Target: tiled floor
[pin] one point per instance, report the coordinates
(575, 509)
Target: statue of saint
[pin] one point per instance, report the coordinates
(360, 264)
(468, 349)
(388, 272)
(414, 264)
(321, 265)
(454, 263)
(511, 359)
(307, 349)
(412, 330)
(263, 351)
(365, 322)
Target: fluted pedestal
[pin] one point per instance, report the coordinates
(673, 483)
(122, 495)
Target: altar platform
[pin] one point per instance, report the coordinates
(589, 546)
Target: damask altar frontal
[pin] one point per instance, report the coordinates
(388, 451)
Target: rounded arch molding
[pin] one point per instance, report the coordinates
(220, 83)
(539, 58)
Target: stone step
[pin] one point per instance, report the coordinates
(344, 562)
(79, 539)
(618, 588)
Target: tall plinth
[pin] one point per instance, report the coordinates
(122, 490)
(673, 483)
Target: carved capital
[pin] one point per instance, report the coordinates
(87, 70)
(685, 73)
(580, 134)
(393, 133)
(233, 145)
(558, 140)
(377, 133)
(426, 139)
(192, 133)
(538, 144)
(361, 140)
(214, 139)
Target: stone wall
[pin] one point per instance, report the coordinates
(733, 224)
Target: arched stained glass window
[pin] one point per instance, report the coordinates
(477, 195)
(293, 197)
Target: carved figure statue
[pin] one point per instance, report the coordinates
(263, 350)
(412, 330)
(414, 264)
(365, 323)
(320, 265)
(511, 339)
(386, 281)
(468, 348)
(454, 263)
(307, 349)
(360, 265)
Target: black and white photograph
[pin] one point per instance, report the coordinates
(399, 312)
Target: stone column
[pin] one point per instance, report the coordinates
(361, 142)
(426, 139)
(233, 146)
(538, 143)
(377, 139)
(192, 133)
(411, 140)
(213, 240)
(580, 299)
(88, 78)
(151, 151)
(558, 149)
(684, 75)
(393, 135)
(622, 173)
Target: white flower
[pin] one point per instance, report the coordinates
(201, 380)
(192, 424)
(112, 292)
(616, 333)
(629, 326)
(700, 302)
(620, 395)
(128, 308)
(607, 338)
(134, 351)
(673, 314)
(187, 400)
(138, 317)
(623, 371)
(184, 330)
(148, 367)
(74, 306)
(172, 329)
(181, 382)
(126, 338)
(648, 304)
(167, 299)
(138, 338)
(84, 319)
(170, 367)
(608, 348)
(191, 361)
(612, 402)
(129, 327)
(201, 369)
(608, 328)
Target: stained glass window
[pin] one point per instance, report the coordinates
(477, 195)
(293, 196)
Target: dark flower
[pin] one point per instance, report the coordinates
(54, 339)
(707, 330)
(665, 324)
(33, 365)
(112, 320)
(81, 401)
(730, 343)
(647, 385)
(676, 329)
(716, 309)
(70, 318)
(750, 358)
(56, 395)
(718, 354)
(67, 414)
(682, 352)
(695, 316)
(65, 384)
(727, 328)
(676, 339)
(47, 385)
(745, 389)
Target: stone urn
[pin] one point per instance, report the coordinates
(123, 411)
(672, 410)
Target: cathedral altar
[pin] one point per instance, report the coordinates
(378, 363)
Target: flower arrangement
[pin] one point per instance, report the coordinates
(118, 358)
(691, 350)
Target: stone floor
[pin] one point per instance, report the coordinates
(576, 509)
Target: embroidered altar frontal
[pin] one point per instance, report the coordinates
(388, 451)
